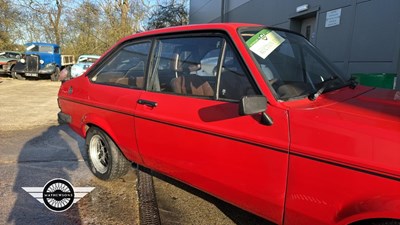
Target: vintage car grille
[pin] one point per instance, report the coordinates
(32, 63)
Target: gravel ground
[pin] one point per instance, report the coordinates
(27, 104)
(35, 149)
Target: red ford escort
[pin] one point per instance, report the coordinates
(252, 115)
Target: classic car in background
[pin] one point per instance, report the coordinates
(83, 63)
(7, 61)
(41, 60)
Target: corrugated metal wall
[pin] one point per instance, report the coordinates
(365, 40)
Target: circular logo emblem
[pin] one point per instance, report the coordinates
(58, 195)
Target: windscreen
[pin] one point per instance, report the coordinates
(38, 48)
(292, 66)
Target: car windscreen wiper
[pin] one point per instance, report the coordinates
(352, 83)
(325, 84)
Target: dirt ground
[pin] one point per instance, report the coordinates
(35, 149)
(27, 104)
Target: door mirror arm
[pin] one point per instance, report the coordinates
(266, 120)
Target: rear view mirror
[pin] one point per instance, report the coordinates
(252, 104)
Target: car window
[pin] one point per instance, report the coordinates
(189, 66)
(235, 83)
(48, 49)
(294, 68)
(87, 59)
(208, 63)
(126, 68)
(184, 66)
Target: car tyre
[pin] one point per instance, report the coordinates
(55, 75)
(105, 159)
(17, 76)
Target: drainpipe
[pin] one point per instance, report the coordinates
(397, 83)
(222, 11)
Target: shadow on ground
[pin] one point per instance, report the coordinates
(57, 152)
(41, 159)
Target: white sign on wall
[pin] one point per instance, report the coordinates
(333, 18)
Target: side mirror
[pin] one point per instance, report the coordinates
(252, 104)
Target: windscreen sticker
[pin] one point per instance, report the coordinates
(264, 42)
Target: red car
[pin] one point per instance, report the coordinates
(252, 115)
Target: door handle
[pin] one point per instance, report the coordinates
(147, 102)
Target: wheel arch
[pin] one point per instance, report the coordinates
(373, 209)
(108, 131)
(91, 120)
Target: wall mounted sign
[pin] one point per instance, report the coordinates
(333, 18)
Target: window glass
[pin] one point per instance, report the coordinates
(186, 65)
(316, 72)
(209, 63)
(234, 82)
(48, 49)
(294, 68)
(32, 48)
(127, 67)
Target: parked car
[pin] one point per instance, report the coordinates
(41, 60)
(276, 130)
(7, 61)
(83, 63)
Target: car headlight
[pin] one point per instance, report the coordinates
(23, 60)
(41, 61)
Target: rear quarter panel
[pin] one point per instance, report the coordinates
(93, 105)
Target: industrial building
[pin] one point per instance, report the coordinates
(358, 36)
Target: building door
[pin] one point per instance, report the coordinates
(305, 24)
(308, 28)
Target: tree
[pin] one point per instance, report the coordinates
(46, 16)
(83, 26)
(8, 18)
(171, 14)
(121, 18)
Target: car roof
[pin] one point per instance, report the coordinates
(194, 27)
(41, 44)
(185, 28)
(89, 56)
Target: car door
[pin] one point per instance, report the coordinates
(115, 86)
(188, 125)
